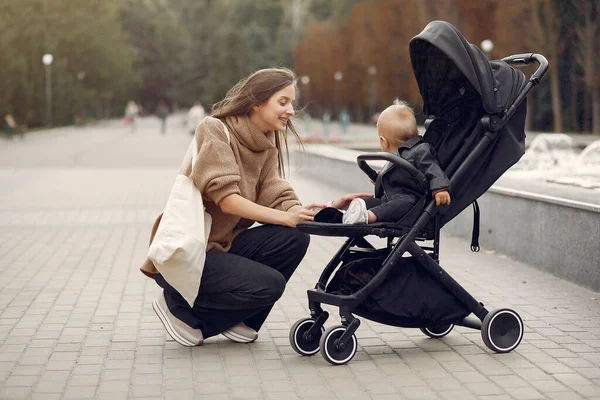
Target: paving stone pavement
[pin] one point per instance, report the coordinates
(76, 320)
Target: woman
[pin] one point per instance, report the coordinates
(246, 270)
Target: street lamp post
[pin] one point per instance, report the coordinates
(487, 46)
(338, 80)
(305, 80)
(80, 107)
(372, 90)
(47, 60)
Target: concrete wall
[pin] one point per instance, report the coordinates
(559, 236)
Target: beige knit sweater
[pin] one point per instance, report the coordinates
(248, 166)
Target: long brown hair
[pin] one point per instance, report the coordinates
(257, 89)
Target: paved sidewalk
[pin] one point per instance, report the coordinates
(76, 319)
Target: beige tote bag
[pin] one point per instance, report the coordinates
(178, 250)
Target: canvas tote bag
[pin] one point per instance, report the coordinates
(178, 250)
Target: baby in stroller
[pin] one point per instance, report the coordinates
(395, 196)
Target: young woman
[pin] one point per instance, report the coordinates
(246, 270)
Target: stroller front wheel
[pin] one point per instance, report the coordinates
(437, 332)
(331, 349)
(300, 343)
(502, 330)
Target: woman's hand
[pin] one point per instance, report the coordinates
(299, 214)
(343, 202)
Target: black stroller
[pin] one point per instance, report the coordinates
(475, 121)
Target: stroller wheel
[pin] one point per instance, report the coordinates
(300, 344)
(502, 330)
(437, 332)
(330, 349)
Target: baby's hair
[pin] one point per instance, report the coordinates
(403, 104)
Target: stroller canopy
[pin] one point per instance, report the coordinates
(496, 82)
(459, 85)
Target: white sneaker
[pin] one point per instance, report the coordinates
(356, 213)
(182, 333)
(241, 333)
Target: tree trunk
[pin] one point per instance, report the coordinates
(586, 32)
(596, 110)
(547, 37)
(573, 106)
(529, 116)
(587, 112)
(556, 101)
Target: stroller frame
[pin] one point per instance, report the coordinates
(501, 329)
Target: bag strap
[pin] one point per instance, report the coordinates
(194, 141)
(475, 234)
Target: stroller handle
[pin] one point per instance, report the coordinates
(372, 174)
(526, 59)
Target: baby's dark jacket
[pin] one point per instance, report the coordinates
(395, 192)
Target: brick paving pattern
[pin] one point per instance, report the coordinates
(76, 320)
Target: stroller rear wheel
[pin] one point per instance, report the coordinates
(300, 343)
(502, 330)
(335, 352)
(437, 332)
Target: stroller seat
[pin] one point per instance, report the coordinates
(329, 225)
(381, 229)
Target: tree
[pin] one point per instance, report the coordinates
(110, 51)
(158, 42)
(369, 37)
(587, 30)
(83, 37)
(547, 35)
(510, 41)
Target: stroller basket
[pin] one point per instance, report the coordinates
(410, 297)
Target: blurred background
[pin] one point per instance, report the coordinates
(68, 61)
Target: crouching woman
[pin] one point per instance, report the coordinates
(240, 178)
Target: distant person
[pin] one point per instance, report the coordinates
(394, 195)
(11, 127)
(195, 115)
(162, 112)
(132, 111)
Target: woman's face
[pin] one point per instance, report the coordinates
(274, 114)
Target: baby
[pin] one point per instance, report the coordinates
(394, 194)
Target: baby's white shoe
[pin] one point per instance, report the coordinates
(356, 213)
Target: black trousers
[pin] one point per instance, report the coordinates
(243, 284)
